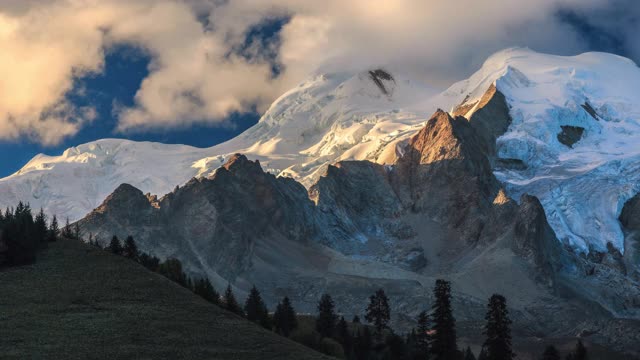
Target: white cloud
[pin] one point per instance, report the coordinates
(45, 45)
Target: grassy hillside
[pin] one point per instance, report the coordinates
(78, 302)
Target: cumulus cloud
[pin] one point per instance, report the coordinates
(196, 74)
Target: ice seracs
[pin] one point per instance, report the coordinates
(582, 184)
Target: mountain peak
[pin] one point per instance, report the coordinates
(240, 163)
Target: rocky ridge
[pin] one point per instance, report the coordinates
(437, 211)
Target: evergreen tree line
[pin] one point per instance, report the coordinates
(22, 234)
(434, 337)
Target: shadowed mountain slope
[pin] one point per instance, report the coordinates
(79, 302)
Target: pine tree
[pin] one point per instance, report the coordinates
(172, 269)
(363, 344)
(255, 309)
(468, 354)
(150, 262)
(422, 337)
(378, 312)
(130, 249)
(356, 319)
(66, 231)
(54, 229)
(396, 346)
(580, 353)
(76, 231)
(498, 329)
(444, 342)
(114, 246)
(230, 302)
(204, 289)
(550, 353)
(326, 320)
(343, 335)
(284, 318)
(41, 226)
(20, 236)
(483, 354)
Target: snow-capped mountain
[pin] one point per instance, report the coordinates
(572, 140)
(582, 182)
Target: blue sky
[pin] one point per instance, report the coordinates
(125, 68)
(270, 49)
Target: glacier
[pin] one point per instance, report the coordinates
(582, 187)
(347, 116)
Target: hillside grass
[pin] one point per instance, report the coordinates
(79, 302)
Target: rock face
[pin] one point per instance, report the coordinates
(570, 135)
(436, 212)
(215, 220)
(630, 220)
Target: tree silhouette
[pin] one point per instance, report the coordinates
(76, 231)
(396, 347)
(550, 353)
(172, 269)
(378, 312)
(255, 310)
(114, 246)
(130, 249)
(204, 289)
(326, 320)
(580, 353)
(230, 302)
(343, 335)
(40, 225)
(444, 342)
(422, 337)
(66, 231)
(284, 318)
(54, 229)
(468, 354)
(363, 344)
(498, 329)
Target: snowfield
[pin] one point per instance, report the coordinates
(364, 116)
(584, 187)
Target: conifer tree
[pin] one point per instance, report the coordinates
(130, 249)
(580, 353)
(114, 246)
(284, 318)
(356, 319)
(41, 226)
(66, 231)
(54, 229)
(396, 347)
(378, 312)
(230, 302)
(483, 354)
(76, 231)
(172, 269)
(550, 353)
(363, 344)
(343, 336)
(150, 262)
(468, 354)
(255, 310)
(205, 289)
(20, 236)
(444, 342)
(421, 335)
(498, 329)
(326, 320)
